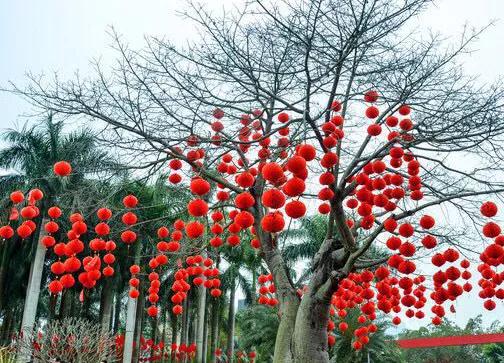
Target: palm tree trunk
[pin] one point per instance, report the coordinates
(129, 330)
(165, 319)
(33, 291)
(6, 325)
(205, 332)
(3, 270)
(131, 318)
(200, 323)
(140, 309)
(231, 323)
(107, 296)
(53, 303)
(117, 312)
(184, 334)
(174, 336)
(214, 330)
(154, 334)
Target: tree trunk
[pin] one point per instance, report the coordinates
(53, 304)
(214, 330)
(107, 296)
(86, 304)
(173, 322)
(6, 325)
(65, 309)
(205, 332)
(310, 333)
(288, 307)
(129, 330)
(139, 325)
(3, 269)
(154, 333)
(184, 334)
(117, 312)
(231, 324)
(130, 317)
(165, 318)
(33, 291)
(200, 324)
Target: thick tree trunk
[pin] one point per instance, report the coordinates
(288, 307)
(310, 333)
(33, 291)
(200, 324)
(231, 324)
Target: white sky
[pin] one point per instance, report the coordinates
(61, 35)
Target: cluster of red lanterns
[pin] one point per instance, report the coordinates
(491, 258)
(375, 129)
(267, 290)
(30, 211)
(129, 218)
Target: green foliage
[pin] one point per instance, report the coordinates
(257, 329)
(380, 348)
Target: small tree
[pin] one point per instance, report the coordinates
(69, 340)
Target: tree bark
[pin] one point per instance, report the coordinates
(231, 323)
(214, 329)
(130, 317)
(3, 269)
(205, 332)
(200, 324)
(310, 333)
(107, 296)
(129, 330)
(288, 304)
(117, 312)
(140, 308)
(186, 321)
(173, 322)
(6, 326)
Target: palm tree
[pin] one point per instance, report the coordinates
(258, 325)
(31, 152)
(242, 261)
(381, 347)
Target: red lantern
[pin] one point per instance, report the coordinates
(16, 197)
(62, 168)
(130, 201)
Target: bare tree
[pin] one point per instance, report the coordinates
(300, 57)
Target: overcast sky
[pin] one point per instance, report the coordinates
(62, 36)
